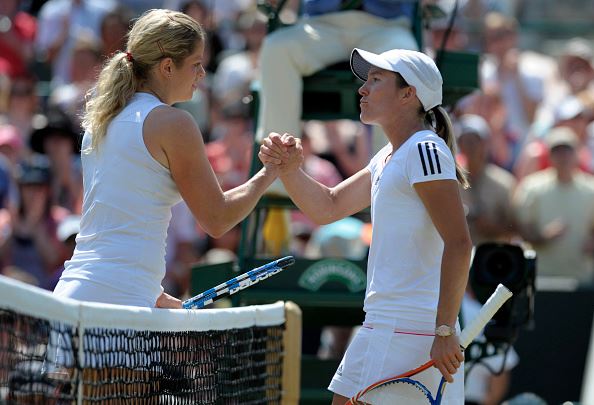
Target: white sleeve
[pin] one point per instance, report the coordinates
(430, 159)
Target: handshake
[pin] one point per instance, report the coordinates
(281, 154)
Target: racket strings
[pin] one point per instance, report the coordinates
(402, 391)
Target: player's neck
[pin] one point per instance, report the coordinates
(400, 132)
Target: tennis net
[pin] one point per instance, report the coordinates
(62, 351)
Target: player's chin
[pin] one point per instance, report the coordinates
(366, 118)
(363, 118)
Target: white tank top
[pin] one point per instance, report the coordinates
(127, 203)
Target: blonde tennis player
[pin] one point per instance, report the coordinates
(420, 250)
(141, 156)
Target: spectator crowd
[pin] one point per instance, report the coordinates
(525, 136)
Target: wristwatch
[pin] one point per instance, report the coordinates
(445, 330)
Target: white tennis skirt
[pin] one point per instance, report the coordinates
(380, 351)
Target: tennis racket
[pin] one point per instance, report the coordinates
(410, 387)
(238, 283)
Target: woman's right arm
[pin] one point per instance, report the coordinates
(174, 139)
(320, 203)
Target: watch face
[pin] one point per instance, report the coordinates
(444, 330)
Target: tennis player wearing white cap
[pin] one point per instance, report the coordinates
(420, 251)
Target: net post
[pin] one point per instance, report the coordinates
(292, 354)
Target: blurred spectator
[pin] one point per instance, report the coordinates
(34, 246)
(4, 93)
(214, 44)
(517, 80)
(17, 38)
(59, 141)
(571, 113)
(576, 66)
(555, 212)
(236, 71)
(86, 63)
(346, 144)
(445, 33)
(23, 106)
(488, 200)
(181, 251)
(324, 35)
(114, 27)
(61, 23)
(317, 167)
(230, 151)
(200, 106)
(68, 228)
(11, 144)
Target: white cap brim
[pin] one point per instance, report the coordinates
(362, 61)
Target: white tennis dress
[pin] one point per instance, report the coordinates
(128, 195)
(403, 270)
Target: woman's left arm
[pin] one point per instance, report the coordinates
(442, 200)
(167, 301)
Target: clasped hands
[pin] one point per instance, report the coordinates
(282, 154)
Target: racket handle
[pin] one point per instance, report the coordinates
(495, 301)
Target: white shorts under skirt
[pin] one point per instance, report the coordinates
(379, 351)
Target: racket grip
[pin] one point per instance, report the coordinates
(495, 301)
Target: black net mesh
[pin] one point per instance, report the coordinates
(40, 364)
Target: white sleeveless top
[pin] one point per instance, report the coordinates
(127, 203)
(404, 264)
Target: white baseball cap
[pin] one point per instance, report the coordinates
(68, 227)
(472, 124)
(417, 69)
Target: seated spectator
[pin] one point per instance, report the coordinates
(554, 209)
(61, 23)
(183, 237)
(23, 106)
(576, 66)
(488, 200)
(11, 144)
(66, 232)
(230, 151)
(571, 113)
(517, 78)
(17, 37)
(60, 142)
(114, 27)
(85, 65)
(34, 246)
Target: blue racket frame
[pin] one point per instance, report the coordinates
(238, 283)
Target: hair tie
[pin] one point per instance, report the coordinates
(129, 57)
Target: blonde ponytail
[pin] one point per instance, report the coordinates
(115, 87)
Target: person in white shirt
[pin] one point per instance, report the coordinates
(140, 157)
(420, 251)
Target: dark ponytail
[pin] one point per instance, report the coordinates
(439, 119)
